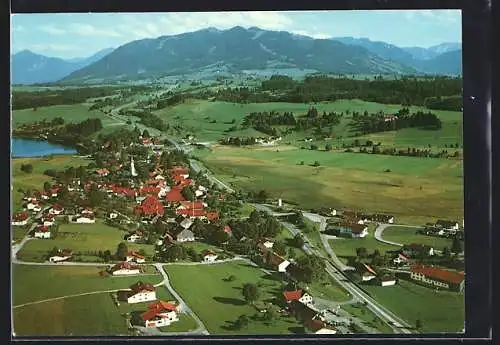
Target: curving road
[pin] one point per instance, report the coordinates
(378, 234)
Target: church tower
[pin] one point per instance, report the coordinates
(133, 172)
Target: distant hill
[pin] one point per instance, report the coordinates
(31, 68)
(424, 60)
(236, 49)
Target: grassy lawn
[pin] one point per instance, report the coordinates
(219, 303)
(370, 319)
(442, 311)
(18, 232)
(70, 113)
(416, 191)
(35, 180)
(77, 316)
(328, 290)
(345, 247)
(80, 238)
(185, 323)
(405, 235)
(65, 280)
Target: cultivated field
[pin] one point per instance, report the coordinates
(408, 235)
(70, 113)
(80, 238)
(442, 311)
(416, 191)
(66, 280)
(76, 316)
(219, 303)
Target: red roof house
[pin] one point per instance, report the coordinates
(175, 195)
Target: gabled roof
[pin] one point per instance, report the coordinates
(207, 252)
(175, 195)
(124, 265)
(135, 254)
(140, 286)
(158, 308)
(185, 234)
(292, 295)
(438, 273)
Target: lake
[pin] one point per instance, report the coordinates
(37, 148)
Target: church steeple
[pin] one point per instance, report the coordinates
(133, 172)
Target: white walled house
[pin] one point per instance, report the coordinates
(85, 220)
(113, 215)
(125, 268)
(133, 256)
(160, 314)
(387, 281)
(56, 210)
(306, 299)
(134, 237)
(62, 255)
(20, 219)
(141, 293)
(209, 256)
(42, 232)
(185, 236)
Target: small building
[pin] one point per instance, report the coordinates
(400, 259)
(62, 255)
(139, 292)
(353, 230)
(298, 295)
(56, 209)
(276, 262)
(186, 223)
(447, 224)
(387, 280)
(133, 256)
(42, 232)
(320, 327)
(417, 249)
(113, 215)
(124, 268)
(209, 256)
(134, 237)
(160, 314)
(20, 219)
(438, 277)
(85, 220)
(368, 272)
(185, 236)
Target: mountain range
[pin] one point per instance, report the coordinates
(32, 68)
(238, 49)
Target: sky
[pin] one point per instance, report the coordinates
(70, 35)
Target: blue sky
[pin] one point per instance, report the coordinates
(77, 35)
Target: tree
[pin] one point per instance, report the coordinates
(188, 193)
(279, 247)
(298, 241)
(96, 197)
(456, 246)
(27, 168)
(418, 324)
(250, 293)
(121, 251)
(328, 147)
(361, 252)
(106, 256)
(46, 186)
(446, 252)
(241, 322)
(316, 164)
(145, 134)
(262, 195)
(314, 147)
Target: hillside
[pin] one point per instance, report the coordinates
(238, 49)
(31, 68)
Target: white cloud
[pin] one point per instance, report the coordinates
(313, 35)
(89, 30)
(51, 29)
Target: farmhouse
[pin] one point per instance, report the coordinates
(416, 249)
(61, 255)
(20, 218)
(368, 272)
(85, 220)
(47, 219)
(298, 295)
(353, 230)
(56, 209)
(160, 314)
(175, 195)
(447, 225)
(386, 280)
(42, 232)
(400, 259)
(320, 327)
(34, 206)
(150, 206)
(185, 236)
(134, 236)
(134, 256)
(276, 262)
(139, 292)
(209, 256)
(124, 268)
(438, 277)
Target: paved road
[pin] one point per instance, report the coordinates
(378, 234)
(396, 323)
(182, 305)
(63, 297)
(324, 239)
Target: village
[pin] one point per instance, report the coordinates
(157, 200)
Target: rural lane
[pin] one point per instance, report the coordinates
(396, 323)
